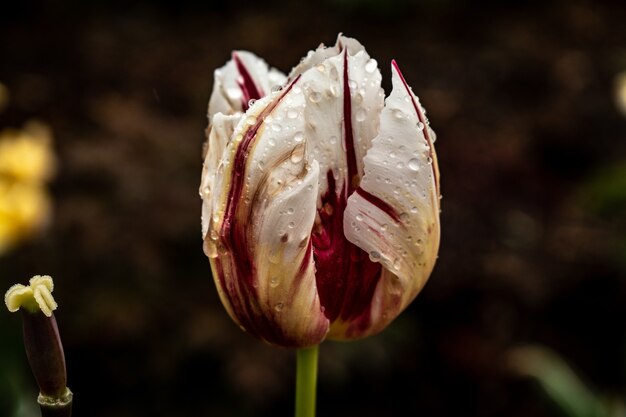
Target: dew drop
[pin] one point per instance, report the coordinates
(297, 154)
(384, 227)
(414, 164)
(360, 115)
(321, 68)
(332, 140)
(420, 125)
(298, 137)
(399, 165)
(290, 210)
(271, 141)
(292, 114)
(315, 97)
(296, 89)
(413, 209)
(359, 217)
(334, 90)
(251, 102)
(274, 282)
(374, 256)
(392, 154)
(398, 114)
(334, 74)
(210, 248)
(276, 127)
(279, 307)
(234, 93)
(291, 225)
(371, 65)
(396, 264)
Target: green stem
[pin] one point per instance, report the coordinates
(306, 381)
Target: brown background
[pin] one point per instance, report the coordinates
(532, 152)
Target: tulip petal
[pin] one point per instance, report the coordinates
(222, 128)
(258, 236)
(245, 77)
(342, 85)
(394, 214)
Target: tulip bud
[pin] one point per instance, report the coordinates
(320, 208)
(43, 343)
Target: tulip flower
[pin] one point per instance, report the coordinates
(320, 197)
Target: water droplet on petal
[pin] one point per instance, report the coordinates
(396, 264)
(315, 97)
(234, 93)
(274, 282)
(413, 209)
(291, 225)
(371, 65)
(332, 140)
(398, 114)
(399, 165)
(321, 68)
(374, 256)
(251, 102)
(420, 125)
(271, 141)
(360, 115)
(413, 164)
(276, 127)
(297, 154)
(298, 137)
(279, 307)
(290, 210)
(292, 114)
(359, 217)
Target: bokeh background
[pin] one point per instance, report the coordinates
(525, 98)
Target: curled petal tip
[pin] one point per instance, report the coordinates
(37, 296)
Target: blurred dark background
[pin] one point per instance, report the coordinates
(532, 151)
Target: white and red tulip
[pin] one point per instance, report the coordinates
(320, 198)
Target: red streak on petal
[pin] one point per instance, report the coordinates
(346, 278)
(421, 117)
(381, 204)
(347, 123)
(240, 289)
(246, 84)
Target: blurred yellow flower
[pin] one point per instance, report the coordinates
(26, 155)
(24, 209)
(26, 162)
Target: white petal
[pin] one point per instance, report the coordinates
(259, 233)
(228, 97)
(394, 215)
(340, 131)
(219, 135)
(322, 53)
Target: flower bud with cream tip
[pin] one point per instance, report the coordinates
(43, 343)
